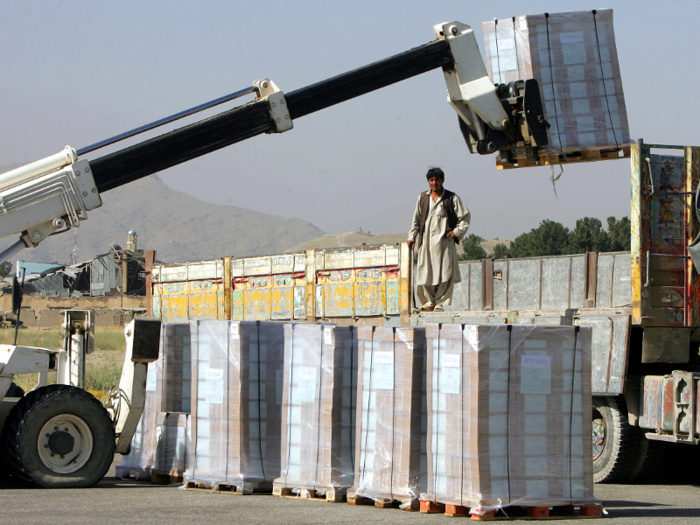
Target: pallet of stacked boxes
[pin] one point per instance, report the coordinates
(509, 418)
(318, 411)
(236, 405)
(573, 57)
(167, 391)
(173, 442)
(390, 459)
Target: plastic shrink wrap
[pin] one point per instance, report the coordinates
(390, 459)
(167, 390)
(318, 409)
(173, 441)
(236, 403)
(574, 59)
(509, 415)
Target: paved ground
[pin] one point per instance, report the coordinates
(128, 502)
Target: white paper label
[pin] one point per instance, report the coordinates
(522, 22)
(505, 44)
(535, 374)
(451, 360)
(328, 336)
(235, 331)
(470, 334)
(384, 358)
(450, 381)
(305, 390)
(573, 37)
(383, 377)
(214, 374)
(211, 391)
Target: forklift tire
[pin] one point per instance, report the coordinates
(58, 436)
(615, 441)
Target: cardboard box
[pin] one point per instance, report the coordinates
(390, 456)
(318, 407)
(509, 415)
(574, 59)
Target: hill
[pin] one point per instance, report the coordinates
(357, 239)
(179, 227)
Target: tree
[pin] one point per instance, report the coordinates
(500, 251)
(620, 233)
(472, 249)
(588, 236)
(549, 238)
(5, 269)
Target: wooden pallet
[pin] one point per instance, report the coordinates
(385, 503)
(243, 488)
(516, 512)
(329, 495)
(165, 478)
(571, 157)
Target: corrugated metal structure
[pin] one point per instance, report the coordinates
(105, 275)
(113, 273)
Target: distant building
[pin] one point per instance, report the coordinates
(116, 272)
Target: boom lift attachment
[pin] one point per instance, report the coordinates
(61, 436)
(54, 194)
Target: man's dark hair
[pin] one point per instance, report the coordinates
(435, 172)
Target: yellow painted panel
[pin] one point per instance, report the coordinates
(174, 307)
(281, 302)
(338, 299)
(203, 305)
(256, 304)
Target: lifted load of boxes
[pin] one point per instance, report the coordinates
(573, 57)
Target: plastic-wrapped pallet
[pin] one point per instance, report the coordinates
(235, 440)
(318, 410)
(391, 419)
(574, 58)
(173, 438)
(167, 390)
(509, 416)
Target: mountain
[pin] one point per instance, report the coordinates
(179, 227)
(348, 240)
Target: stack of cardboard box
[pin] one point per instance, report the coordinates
(318, 408)
(235, 422)
(574, 59)
(509, 415)
(389, 465)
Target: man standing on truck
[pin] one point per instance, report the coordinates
(440, 220)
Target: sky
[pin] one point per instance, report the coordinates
(75, 72)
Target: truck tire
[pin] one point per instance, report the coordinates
(615, 441)
(58, 436)
(648, 465)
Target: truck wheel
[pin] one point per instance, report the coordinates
(648, 465)
(615, 441)
(58, 436)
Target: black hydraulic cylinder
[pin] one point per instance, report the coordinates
(200, 138)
